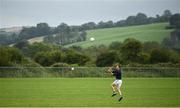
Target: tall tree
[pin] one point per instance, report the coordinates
(63, 28)
(175, 20)
(131, 49)
(166, 15)
(141, 18)
(88, 26)
(43, 29)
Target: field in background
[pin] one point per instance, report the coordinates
(151, 32)
(150, 92)
(36, 39)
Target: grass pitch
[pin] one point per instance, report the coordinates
(88, 92)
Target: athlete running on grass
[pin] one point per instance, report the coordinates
(116, 85)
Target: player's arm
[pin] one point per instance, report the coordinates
(110, 70)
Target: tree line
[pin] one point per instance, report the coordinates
(130, 51)
(138, 19)
(64, 34)
(173, 41)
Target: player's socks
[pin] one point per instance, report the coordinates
(114, 93)
(120, 98)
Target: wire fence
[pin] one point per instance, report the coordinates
(22, 72)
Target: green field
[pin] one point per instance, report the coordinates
(89, 92)
(151, 32)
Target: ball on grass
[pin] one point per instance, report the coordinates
(72, 68)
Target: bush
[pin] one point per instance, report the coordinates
(175, 20)
(107, 59)
(21, 44)
(15, 55)
(148, 46)
(72, 57)
(4, 57)
(60, 65)
(48, 58)
(144, 58)
(9, 56)
(43, 58)
(115, 45)
(39, 47)
(90, 64)
(159, 56)
(174, 57)
(131, 49)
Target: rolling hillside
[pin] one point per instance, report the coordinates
(151, 32)
(36, 39)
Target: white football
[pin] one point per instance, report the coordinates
(92, 39)
(72, 68)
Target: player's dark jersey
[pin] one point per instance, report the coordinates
(117, 73)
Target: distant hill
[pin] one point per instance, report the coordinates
(36, 39)
(12, 29)
(150, 32)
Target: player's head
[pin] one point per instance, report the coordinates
(117, 66)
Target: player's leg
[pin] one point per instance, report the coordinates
(113, 86)
(119, 89)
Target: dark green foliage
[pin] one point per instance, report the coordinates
(83, 35)
(131, 49)
(120, 23)
(139, 19)
(48, 58)
(43, 58)
(4, 57)
(107, 59)
(7, 38)
(75, 28)
(172, 42)
(43, 29)
(9, 56)
(76, 48)
(175, 20)
(72, 57)
(143, 58)
(22, 44)
(40, 30)
(167, 42)
(115, 45)
(166, 16)
(38, 47)
(62, 28)
(107, 24)
(131, 20)
(148, 46)
(65, 35)
(159, 56)
(88, 26)
(174, 57)
(27, 33)
(56, 56)
(15, 55)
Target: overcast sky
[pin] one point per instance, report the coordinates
(76, 12)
